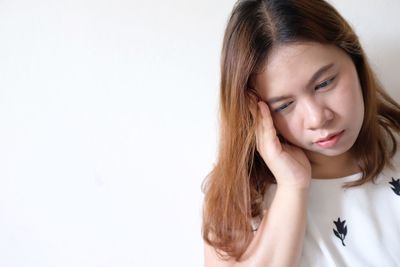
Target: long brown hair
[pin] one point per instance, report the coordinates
(234, 189)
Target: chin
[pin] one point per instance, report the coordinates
(332, 153)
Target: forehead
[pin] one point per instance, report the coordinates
(290, 66)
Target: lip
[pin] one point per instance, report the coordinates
(330, 140)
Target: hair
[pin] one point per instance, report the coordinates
(235, 187)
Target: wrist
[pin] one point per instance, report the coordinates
(294, 187)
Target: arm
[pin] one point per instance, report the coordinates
(279, 239)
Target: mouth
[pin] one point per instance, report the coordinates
(330, 140)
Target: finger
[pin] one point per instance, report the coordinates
(266, 119)
(267, 136)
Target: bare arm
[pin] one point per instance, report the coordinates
(278, 241)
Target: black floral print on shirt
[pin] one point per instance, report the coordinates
(341, 230)
(396, 186)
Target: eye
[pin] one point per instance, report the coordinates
(324, 83)
(283, 107)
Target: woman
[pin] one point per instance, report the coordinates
(307, 171)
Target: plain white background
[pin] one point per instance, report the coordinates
(108, 124)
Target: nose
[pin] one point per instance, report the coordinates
(317, 115)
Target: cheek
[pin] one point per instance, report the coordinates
(288, 129)
(349, 97)
(349, 101)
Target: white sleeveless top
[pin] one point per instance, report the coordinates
(355, 227)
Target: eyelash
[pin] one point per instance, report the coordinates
(324, 83)
(283, 107)
(321, 85)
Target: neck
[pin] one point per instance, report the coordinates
(331, 167)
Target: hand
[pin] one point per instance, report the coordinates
(288, 163)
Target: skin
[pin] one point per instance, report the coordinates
(313, 110)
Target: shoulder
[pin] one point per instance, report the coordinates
(392, 168)
(395, 162)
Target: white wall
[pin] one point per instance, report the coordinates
(108, 125)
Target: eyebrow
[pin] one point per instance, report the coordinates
(315, 77)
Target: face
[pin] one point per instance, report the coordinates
(314, 96)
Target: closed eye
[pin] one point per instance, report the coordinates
(283, 107)
(324, 83)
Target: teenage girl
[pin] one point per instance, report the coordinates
(308, 172)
